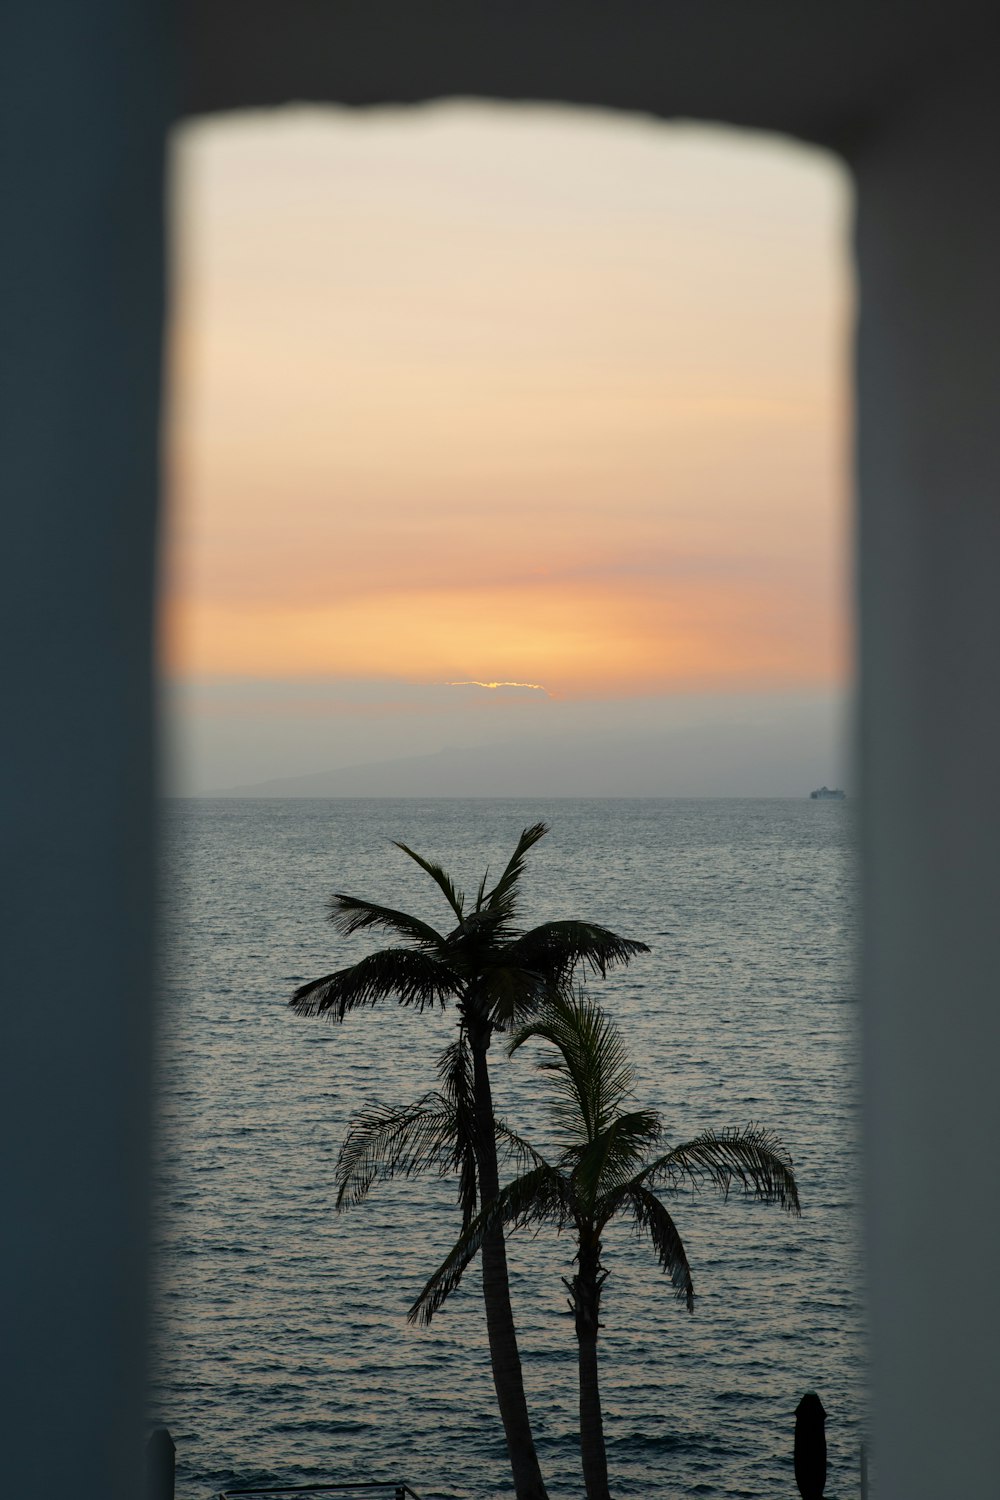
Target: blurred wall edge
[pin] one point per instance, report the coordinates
(83, 110)
(906, 94)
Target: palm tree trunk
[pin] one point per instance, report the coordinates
(504, 1356)
(586, 1293)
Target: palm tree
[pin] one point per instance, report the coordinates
(608, 1167)
(498, 975)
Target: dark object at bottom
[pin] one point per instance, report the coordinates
(810, 1447)
(160, 1465)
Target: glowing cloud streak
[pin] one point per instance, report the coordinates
(536, 687)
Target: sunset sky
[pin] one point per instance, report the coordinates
(480, 395)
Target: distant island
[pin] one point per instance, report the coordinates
(826, 794)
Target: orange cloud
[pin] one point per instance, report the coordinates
(578, 639)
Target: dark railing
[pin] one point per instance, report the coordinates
(399, 1491)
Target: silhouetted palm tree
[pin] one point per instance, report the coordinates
(606, 1170)
(498, 975)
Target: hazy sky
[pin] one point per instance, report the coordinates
(478, 394)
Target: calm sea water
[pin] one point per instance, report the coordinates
(282, 1350)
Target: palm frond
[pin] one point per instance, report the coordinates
(441, 878)
(388, 1141)
(651, 1217)
(614, 1156)
(592, 1072)
(511, 994)
(350, 914)
(557, 949)
(540, 1196)
(515, 1148)
(753, 1159)
(502, 899)
(455, 1070)
(402, 974)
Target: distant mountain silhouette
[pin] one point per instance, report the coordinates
(721, 760)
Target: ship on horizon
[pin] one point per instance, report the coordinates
(828, 794)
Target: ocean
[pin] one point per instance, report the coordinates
(281, 1348)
